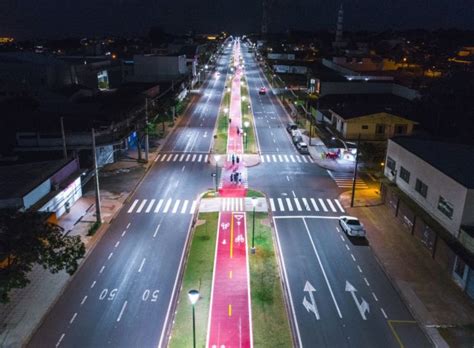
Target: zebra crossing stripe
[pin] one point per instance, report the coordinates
(193, 207)
(340, 206)
(268, 158)
(331, 205)
(133, 206)
(200, 157)
(185, 205)
(231, 204)
(164, 157)
(262, 159)
(311, 159)
(306, 205)
(297, 203)
(241, 204)
(150, 206)
(322, 204)
(280, 158)
(158, 206)
(175, 157)
(292, 158)
(206, 158)
(274, 158)
(142, 204)
(298, 158)
(169, 157)
(194, 158)
(286, 158)
(187, 157)
(175, 208)
(167, 206)
(280, 204)
(288, 202)
(305, 160)
(181, 157)
(313, 202)
(157, 157)
(272, 204)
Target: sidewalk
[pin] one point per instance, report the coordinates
(431, 295)
(22, 315)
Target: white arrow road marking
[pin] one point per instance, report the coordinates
(310, 306)
(363, 306)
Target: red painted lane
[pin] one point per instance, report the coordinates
(230, 316)
(234, 140)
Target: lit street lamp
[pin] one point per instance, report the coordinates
(193, 298)
(254, 204)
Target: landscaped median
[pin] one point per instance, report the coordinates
(198, 275)
(250, 143)
(220, 138)
(269, 317)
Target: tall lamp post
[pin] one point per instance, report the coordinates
(254, 204)
(193, 296)
(217, 158)
(246, 125)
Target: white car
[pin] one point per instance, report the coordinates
(352, 226)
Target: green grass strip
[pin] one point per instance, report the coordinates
(220, 142)
(250, 143)
(270, 322)
(197, 275)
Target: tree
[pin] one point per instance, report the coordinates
(27, 239)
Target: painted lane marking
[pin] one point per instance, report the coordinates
(306, 204)
(199, 158)
(72, 319)
(128, 225)
(322, 269)
(176, 205)
(360, 269)
(347, 247)
(353, 258)
(60, 339)
(193, 207)
(157, 157)
(375, 297)
(121, 311)
(272, 204)
(132, 206)
(181, 157)
(117, 244)
(340, 206)
(297, 203)
(384, 314)
(102, 269)
(280, 204)
(110, 255)
(123, 233)
(331, 205)
(142, 204)
(313, 202)
(182, 169)
(167, 206)
(286, 158)
(84, 300)
(93, 284)
(290, 206)
(156, 230)
(194, 158)
(322, 204)
(287, 178)
(175, 157)
(366, 281)
(292, 158)
(141, 265)
(158, 206)
(185, 205)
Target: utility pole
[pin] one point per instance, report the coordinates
(98, 213)
(63, 134)
(355, 172)
(147, 145)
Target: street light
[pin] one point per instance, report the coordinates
(254, 204)
(217, 158)
(193, 296)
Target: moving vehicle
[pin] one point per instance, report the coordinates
(262, 91)
(302, 147)
(352, 226)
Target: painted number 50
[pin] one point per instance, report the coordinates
(154, 295)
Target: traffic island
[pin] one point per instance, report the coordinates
(250, 142)
(269, 317)
(220, 137)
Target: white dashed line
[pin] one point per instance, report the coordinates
(72, 319)
(123, 233)
(93, 284)
(141, 265)
(110, 255)
(60, 339)
(347, 247)
(384, 314)
(121, 311)
(128, 225)
(84, 300)
(360, 269)
(117, 244)
(102, 269)
(156, 230)
(353, 258)
(366, 281)
(375, 297)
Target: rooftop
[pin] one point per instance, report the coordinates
(17, 180)
(454, 160)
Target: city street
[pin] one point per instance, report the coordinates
(339, 295)
(123, 293)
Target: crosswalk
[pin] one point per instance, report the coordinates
(165, 206)
(322, 205)
(279, 158)
(232, 204)
(344, 180)
(182, 157)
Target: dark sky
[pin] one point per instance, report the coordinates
(59, 18)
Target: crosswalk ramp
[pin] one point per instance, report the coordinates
(344, 180)
(281, 158)
(165, 206)
(294, 204)
(182, 157)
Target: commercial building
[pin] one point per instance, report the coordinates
(432, 191)
(155, 68)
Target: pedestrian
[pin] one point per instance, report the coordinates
(233, 159)
(230, 120)
(235, 178)
(238, 131)
(240, 179)
(232, 177)
(237, 159)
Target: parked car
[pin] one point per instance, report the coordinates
(302, 147)
(352, 226)
(295, 132)
(262, 91)
(297, 139)
(291, 126)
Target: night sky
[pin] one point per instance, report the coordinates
(58, 18)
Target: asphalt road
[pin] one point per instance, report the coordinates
(339, 295)
(121, 295)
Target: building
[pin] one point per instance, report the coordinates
(155, 68)
(373, 117)
(436, 181)
(49, 186)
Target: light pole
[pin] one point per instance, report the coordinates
(193, 296)
(246, 125)
(217, 158)
(254, 204)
